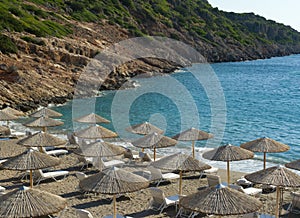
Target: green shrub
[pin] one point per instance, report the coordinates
(7, 45)
(36, 41)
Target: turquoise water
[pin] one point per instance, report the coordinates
(261, 99)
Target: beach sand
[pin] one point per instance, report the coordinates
(133, 204)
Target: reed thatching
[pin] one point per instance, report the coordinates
(13, 111)
(92, 118)
(294, 165)
(4, 116)
(95, 132)
(144, 129)
(278, 176)
(154, 140)
(99, 149)
(10, 148)
(44, 122)
(46, 112)
(221, 201)
(265, 145)
(28, 202)
(181, 162)
(41, 139)
(113, 181)
(31, 160)
(228, 153)
(192, 134)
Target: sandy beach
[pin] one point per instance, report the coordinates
(133, 204)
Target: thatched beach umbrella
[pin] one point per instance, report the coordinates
(44, 122)
(46, 112)
(41, 139)
(180, 162)
(265, 145)
(113, 181)
(144, 129)
(30, 160)
(228, 153)
(99, 149)
(13, 111)
(154, 140)
(4, 116)
(293, 165)
(221, 201)
(278, 176)
(10, 148)
(29, 202)
(92, 118)
(95, 132)
(193, 135)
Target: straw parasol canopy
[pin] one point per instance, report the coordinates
(92, 118)
(144, 129)
(99, 149)
(41, 139)
(294, 165)
(113, 181)
(46, 112)
(29, 202)
(4, 116)
(154, 140)
(193, 135)
(278, 176)
(13, 111)
(44, 122)
(95, 132)
(10, 148)
(181, 162)
(228, 153)
(220, 200)
(265, 145)
(31, 160)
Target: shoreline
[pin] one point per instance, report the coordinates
(60, 100)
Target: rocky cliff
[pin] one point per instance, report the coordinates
(46, 45)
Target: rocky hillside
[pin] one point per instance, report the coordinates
(45, 45)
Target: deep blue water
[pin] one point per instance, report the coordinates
(249, 99)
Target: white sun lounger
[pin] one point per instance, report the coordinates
(248, 191)
(157, 176)
(159, 201)
(50, 175)
(55, 152)
(81, 213)
(2, 161)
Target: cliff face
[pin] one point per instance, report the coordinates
(45, 46)
(47, 73)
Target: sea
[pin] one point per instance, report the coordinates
(237, 102)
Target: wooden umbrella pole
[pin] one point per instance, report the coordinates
(30, 179)
(193, 148)
(41, 149)
(277, 202)
(154, 155)
(265, 160)
(228, 173)
(115, 206)
(180, 183)
(143, 149)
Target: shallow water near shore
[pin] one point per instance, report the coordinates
(262, 99)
